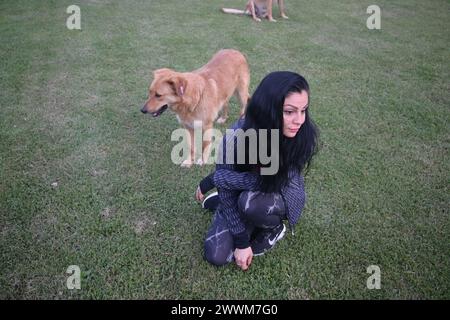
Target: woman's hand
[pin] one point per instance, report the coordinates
(243, 257)
(199, 196)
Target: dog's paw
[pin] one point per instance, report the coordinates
(186, 163)
(257, 19)
(199, 162)
(272, 20)
(285, 16)
(221, 120)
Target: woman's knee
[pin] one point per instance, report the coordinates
(217, 257)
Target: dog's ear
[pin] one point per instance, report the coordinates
(179, 84)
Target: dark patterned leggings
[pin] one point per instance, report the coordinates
(258, 210)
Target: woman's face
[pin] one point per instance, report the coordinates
(294, 113)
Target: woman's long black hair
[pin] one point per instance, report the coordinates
(265, 111)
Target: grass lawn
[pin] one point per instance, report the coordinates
(378, 191)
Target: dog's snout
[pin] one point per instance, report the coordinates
(143, 110)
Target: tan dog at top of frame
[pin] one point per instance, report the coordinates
(259, 9)
(200, 95)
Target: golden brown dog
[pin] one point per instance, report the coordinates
(200, 95)
(259, 9)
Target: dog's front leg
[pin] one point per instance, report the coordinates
(188, 162)
(223, 117)
(207, 143)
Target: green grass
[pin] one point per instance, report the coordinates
(378, 191)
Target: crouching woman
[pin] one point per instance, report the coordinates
(250, 206)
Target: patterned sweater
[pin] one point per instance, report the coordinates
(230, 183)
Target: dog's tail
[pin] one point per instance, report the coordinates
(233, 11)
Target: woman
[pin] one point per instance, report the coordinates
(251, 208)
